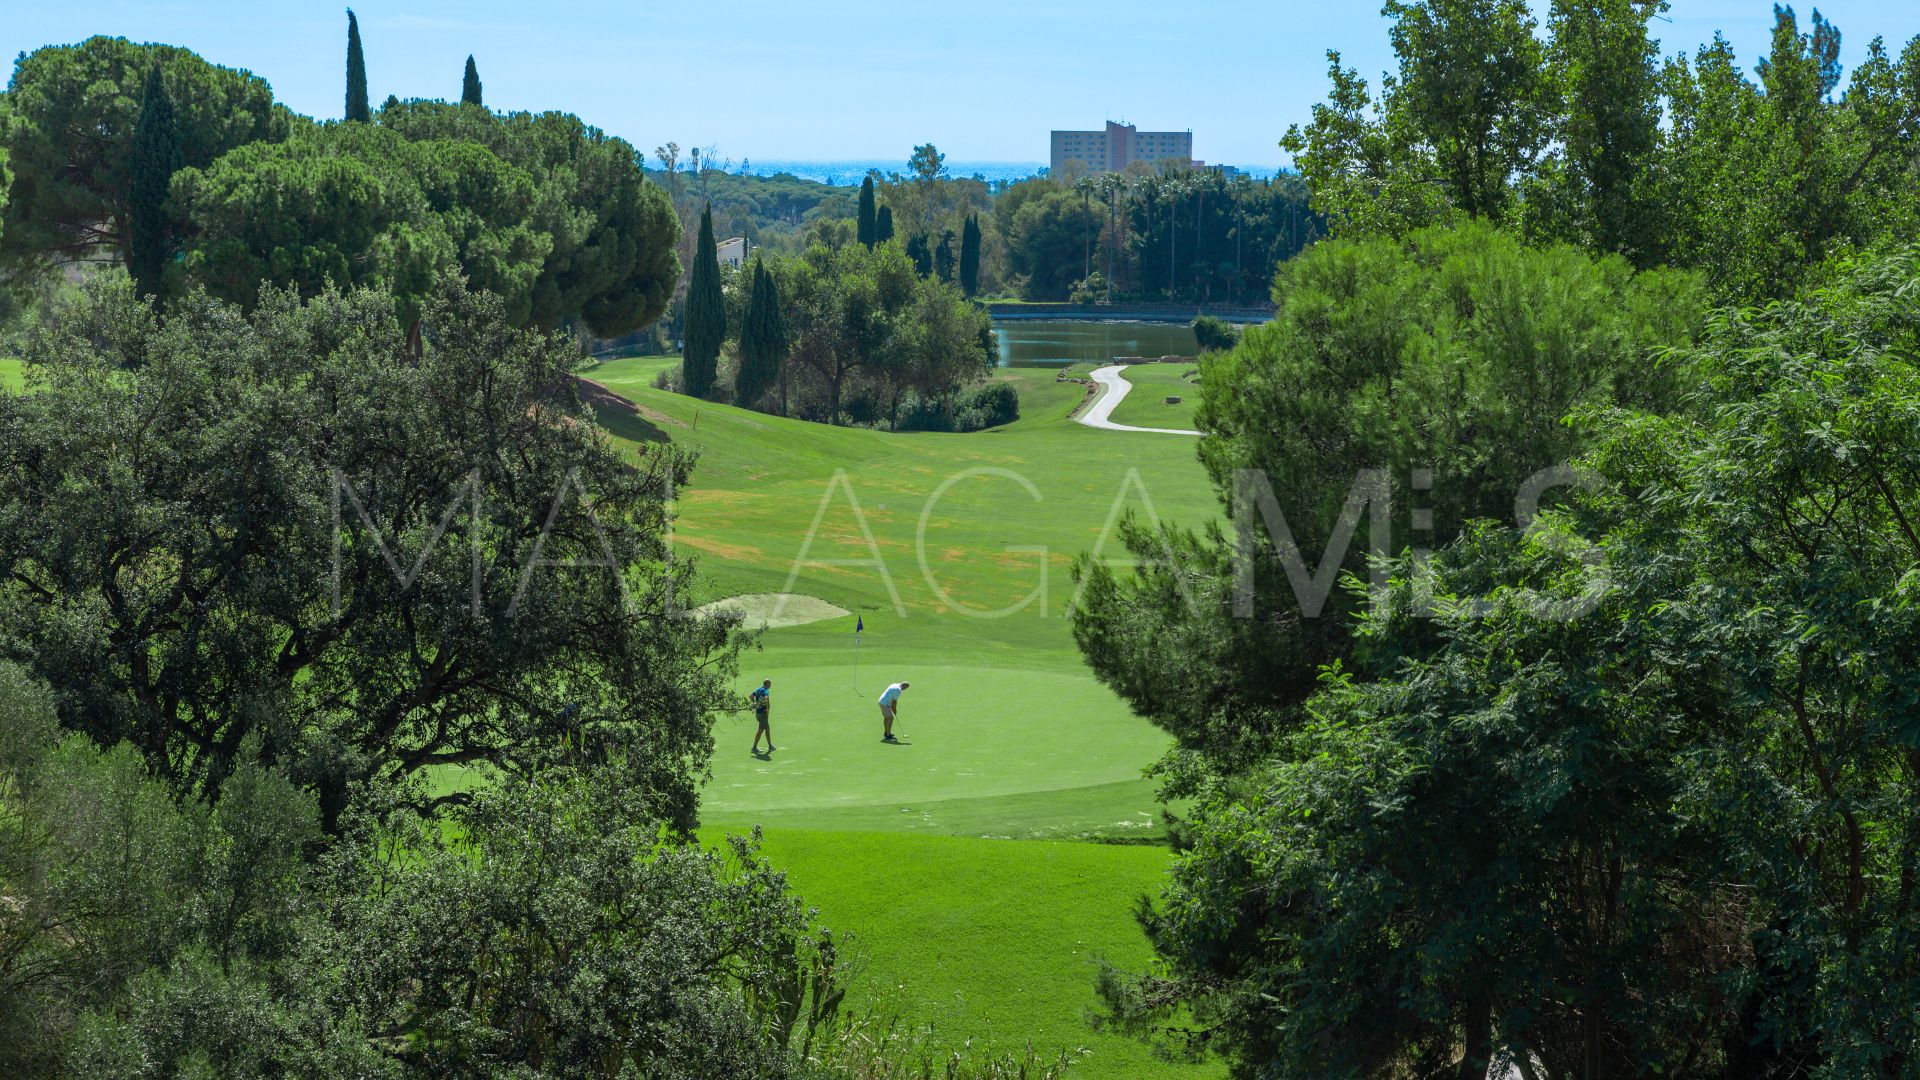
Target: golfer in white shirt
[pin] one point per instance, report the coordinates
(889, 705)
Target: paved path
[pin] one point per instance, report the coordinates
(1113, 388)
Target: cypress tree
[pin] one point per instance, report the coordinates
(921, 254)
(763, 340)
(706, 313)
(357, 108)
(470, 84)
(156, 157)
(943, 257)
(970, 256)
(868, 233)
(883, 225)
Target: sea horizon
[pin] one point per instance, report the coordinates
(849, 172)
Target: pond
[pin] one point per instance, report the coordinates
(1037, 343)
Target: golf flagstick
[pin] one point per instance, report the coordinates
(859, 624)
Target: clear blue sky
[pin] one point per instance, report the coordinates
(854, 78)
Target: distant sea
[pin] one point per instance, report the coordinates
(849, 173)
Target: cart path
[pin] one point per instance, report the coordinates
(1113, 389)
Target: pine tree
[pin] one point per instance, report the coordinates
(921, 254)
(868, 233)
(970, 256)
(470, 84)
(706, 313)
(883, 225)
(356, 74)
(156, 157)
(763, 340)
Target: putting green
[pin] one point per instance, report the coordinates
(1146, 405)
(963, 735)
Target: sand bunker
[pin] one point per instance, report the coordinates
(773, 610)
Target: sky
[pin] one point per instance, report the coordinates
(851, 79)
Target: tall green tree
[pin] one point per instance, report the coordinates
(357, 105)
(943, 257)
(928, 164)
(1466, 116)
(371, 207)
(1048, 244)
(555, 216)
(470, 84)
(156, 157)
(865, 327)
(706, 314)
(763, 341)
(1593, 187)
(70, 197)
(867, 230)
(921, 253)
(970, 256)
(883, 225)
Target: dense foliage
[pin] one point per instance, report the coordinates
(1179, 235)
(1627, 789)
(866, 332)
(609, 233)
(285, 529)
(357, 204)
(1403, 388)
(71, 195)
(763, 341)
(545, 930)
(1588, 138)
(216, 185)
(1648, 815)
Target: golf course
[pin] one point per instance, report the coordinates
(987, 861)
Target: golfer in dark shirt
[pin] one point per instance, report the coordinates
(762, 699)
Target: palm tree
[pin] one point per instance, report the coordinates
(1112, 186)
(1085, 186)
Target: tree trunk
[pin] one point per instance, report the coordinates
(1478, 1035)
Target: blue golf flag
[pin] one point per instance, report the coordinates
(859, 624)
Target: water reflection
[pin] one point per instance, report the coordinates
(1035, 343)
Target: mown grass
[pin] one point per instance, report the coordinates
(993, 941)
(11, 375)
(1146, 406)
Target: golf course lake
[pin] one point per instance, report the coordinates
(1057, 343)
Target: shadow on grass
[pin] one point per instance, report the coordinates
(617, 414)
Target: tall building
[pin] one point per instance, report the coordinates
(1118, 146)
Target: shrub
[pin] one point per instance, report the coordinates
(1215, 335)
(986, 406)
(919, 413)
